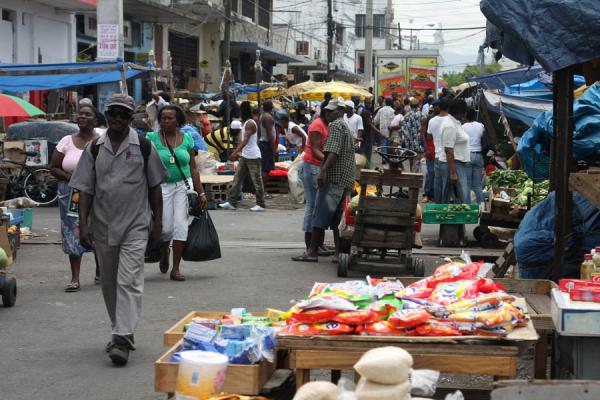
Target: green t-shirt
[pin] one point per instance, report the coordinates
(182, 153)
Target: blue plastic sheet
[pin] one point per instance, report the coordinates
(534, 146)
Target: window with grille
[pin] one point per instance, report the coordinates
(359, 29)
(301, 48)
(248, 9)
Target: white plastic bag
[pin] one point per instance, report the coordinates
(295, 179)
(424, 382)
(206, 163)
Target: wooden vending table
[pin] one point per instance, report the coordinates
(473, 355)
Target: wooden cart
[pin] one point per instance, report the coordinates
(385, 223)
(498, 213)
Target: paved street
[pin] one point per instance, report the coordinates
(53, 342)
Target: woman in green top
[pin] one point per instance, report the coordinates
(176, 151)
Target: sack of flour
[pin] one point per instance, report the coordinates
(318, 390)
(385, 365)
(366, 390)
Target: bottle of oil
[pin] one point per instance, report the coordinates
(587, 268)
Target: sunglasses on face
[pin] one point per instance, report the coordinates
(122, 114)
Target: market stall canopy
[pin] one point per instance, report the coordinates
(268, 93)
(21, 77)
(11, 106)
(556, 33)
(523, 109)
(337, 89)
(502, 79)
(53, 131)
(302, 87)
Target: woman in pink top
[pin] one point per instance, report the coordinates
(64, 160)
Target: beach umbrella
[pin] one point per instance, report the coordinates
(11, 106)
(268, 93)
(302, 87)
(337, 89)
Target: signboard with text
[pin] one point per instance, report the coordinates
(406, 72)
(108, 41)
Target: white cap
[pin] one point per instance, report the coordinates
(349, 103)
(235, 124)
(334, 104)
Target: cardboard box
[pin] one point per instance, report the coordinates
(574, 318)
(241, 379)
(39, 146)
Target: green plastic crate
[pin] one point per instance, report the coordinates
(439, 214)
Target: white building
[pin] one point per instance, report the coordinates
(35, 32)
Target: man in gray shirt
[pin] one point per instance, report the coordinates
(119, 176)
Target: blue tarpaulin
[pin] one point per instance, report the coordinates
(534, 146)
(14, 78)
(523, 109)
(502, 79)
(556, 33)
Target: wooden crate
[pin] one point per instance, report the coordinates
(175, 333)
(277, 184)
(241, 379)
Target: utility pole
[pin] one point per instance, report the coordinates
(389, 18)
(369, 42)
(399, 37)
(227, 64)
(329, 38)
(411, 39)
(110, 45)
(258, 70)
(227, 34)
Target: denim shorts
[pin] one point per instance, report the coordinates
(310, 176)
(329, 206)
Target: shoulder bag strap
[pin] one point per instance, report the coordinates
(187, 185)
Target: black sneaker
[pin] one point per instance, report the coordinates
(119, 354)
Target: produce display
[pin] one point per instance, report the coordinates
(456, 300)
(522, 185)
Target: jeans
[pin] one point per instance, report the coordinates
(441, 186)
(367, 149)
(430, 179)
(463, 186)
(252, 168)
(310, 175)
(477, 176)
(329, 206)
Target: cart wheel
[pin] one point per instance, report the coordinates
(418, 267)
(343, 264)
(345, 245)
(489, 240)
(9, 292)
(477, 233)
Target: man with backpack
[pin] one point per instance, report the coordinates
(119, 176)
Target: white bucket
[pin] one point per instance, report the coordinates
(201, 375)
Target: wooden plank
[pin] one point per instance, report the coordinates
(540, 362)
(475, 363)
(388, 204)
(393, 245)
(386, 221)
(588, 185)
(540, 303)
(404, 180)
(216, 179)
(544, 390)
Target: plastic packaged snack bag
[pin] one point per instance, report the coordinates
(314, 316)
(409, 318)
(330, 301)
(497, 317)
(480, 303)
(449, 292)
(328, 329)
(437, 328)
(417, 290)
(453, 271)
(357, 317)
(382, 328)
(384, 308)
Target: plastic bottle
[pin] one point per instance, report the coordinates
(596, 258)
(587, 268)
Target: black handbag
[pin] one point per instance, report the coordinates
(192, 195)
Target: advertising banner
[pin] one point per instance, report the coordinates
(391, 76)
(423, 75)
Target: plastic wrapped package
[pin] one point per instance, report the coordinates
(318, 390)
(424, 382)
(357, 317)
(198, 334)
(385, 365)
(384, 308)
(382, 328)
(449, 292)
(369, 390)
(329, 301)
(409, 318)
(314, 316)
(328, 329)
(437, 328)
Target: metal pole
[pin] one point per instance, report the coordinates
(369, 42)
(399, 37)
(227, 34)
(411, 38)
(329, 38)
(563, 163)
(258, 70)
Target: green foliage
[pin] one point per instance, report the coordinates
(457, 78)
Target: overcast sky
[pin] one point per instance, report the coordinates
(461, 46)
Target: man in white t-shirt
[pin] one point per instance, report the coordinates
(353, 120)
(440, 169)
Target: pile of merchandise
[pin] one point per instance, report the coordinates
(456, 300)
(521, 185)
(242, 337)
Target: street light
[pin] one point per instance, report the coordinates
(418, 30)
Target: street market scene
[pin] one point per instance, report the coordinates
(300, 200)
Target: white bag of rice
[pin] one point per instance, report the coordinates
(385, 365)
(366, 390)
(318, 390)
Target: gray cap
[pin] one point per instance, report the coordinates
(121, 100)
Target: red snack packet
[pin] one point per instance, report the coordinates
(486, 285)
(566, 285)
(327, 329)
(358, 317)
(449, 292)
(437, 328)
(418, 290)
(314, 316)
(585, 293)
(409, 318)
(382, 328)
(453, 272)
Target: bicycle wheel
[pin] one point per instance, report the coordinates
(41, 187)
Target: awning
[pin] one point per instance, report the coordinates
(523, 109)
(502, 79)
(21, 78)
(265, 52)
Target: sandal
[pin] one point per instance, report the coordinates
(164, 267)
(97, 280)
(72, 287)
(176, 276)
(305, 258)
